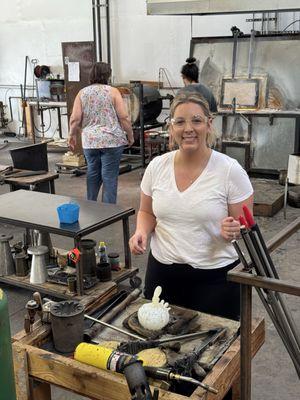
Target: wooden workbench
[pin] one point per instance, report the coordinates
(36, 369)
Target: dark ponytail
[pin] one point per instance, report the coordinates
(190, 70)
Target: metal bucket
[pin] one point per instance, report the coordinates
(88, 256)
(67, 325)
(7, 265)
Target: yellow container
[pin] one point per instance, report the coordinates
(114, 360)
(102, 357)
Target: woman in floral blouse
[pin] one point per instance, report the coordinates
(100, 117)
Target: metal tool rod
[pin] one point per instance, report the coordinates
(278, 328)
(290, 340)
(114, 328)
(266, 305)
(262, 297)
(109, 306)
(91, 333)
(272, 270)
(268, 271)
(187, 336)
(279, 296)
(240, 255)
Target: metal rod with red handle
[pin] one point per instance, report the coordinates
(269, 267)
(266, 302)
(280, 316)
(255, 228)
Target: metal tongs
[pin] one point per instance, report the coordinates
(135, 346)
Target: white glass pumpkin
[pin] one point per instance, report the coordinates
(154, 315)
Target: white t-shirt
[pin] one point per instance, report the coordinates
(188, 228)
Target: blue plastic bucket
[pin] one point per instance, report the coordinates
(68, 213)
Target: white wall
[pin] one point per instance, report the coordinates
(140, 44)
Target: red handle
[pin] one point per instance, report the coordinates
(249, 217)
(243, 222)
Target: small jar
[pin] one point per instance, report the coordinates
(21, 263)
(103, 272)
(71, 280)
(114, 261)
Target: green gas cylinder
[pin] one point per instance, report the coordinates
(7, 382)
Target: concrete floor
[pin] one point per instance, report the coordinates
(273, 374)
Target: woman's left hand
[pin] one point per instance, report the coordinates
(230, 228)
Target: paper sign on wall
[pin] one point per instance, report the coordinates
(73, 72)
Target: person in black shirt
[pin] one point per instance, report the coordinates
(190, 74)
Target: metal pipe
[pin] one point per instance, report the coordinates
(240, 255)
(99, 31)
(188, 336)
(94, 23)
(266, 304)
(115, 328)
(108, 31)
(24, 125)
(278, 327)
(10, 106)
(292, 344)
(25, 77)
(142, 138)
(269, 272)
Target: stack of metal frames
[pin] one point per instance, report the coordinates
(273, 302)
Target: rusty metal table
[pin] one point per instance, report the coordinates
(36, 210)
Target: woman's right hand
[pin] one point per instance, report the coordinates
(72, 142)
(138, 243)
(130, 140)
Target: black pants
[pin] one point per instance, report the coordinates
(207, 291)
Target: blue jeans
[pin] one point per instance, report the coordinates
(103, 167)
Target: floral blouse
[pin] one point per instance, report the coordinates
(100, 124)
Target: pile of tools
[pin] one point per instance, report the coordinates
(87, 327)
(273, 302)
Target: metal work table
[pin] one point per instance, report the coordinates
(36, 210)
(247, 280)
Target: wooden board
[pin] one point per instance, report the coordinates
(268, 197)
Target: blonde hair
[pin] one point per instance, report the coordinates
(195, 97)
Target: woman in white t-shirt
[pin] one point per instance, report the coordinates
(191, 199)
